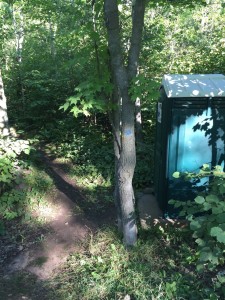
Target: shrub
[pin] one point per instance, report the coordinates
(207, 216)
(10, 151)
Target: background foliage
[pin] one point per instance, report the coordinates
(56, 56)
(53, 54)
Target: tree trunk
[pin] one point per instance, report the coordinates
(52, 39)
(18, 24)
(95, 40)
(138, 121)
(116, 123)
(123, 77)
(4, 130)
(115, 120)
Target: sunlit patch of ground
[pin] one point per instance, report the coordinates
(56, 223)
(67, 228)
(45, 211)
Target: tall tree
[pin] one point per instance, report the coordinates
(123, 75)
(4, 131)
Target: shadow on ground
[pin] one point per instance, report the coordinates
(24, 286)
(29, 266)
(98, 213)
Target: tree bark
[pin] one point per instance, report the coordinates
(138, 121)
(95, 40)
(4, 129)
(116, 123)
(18, 24)
(123, 77)
(115, 120)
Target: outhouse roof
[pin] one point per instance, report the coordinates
(198, 85)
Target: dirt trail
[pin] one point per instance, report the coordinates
(67, 228)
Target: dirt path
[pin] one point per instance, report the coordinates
(69, 225)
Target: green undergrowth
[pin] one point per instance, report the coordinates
(23, 199)
(23, 185)
(206, 214)
(89, 148)
(86, 154)
(158, 267)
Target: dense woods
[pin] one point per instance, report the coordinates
(80, 79)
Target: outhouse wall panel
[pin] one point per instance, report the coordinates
(195, 139)
(190, 133)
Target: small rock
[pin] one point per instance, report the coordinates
(20, 248)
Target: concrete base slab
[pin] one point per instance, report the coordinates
(148, 209)
(151, 215)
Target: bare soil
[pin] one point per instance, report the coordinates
(31, 255)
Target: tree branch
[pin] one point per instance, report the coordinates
(138, 11)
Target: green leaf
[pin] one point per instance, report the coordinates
(194, 225)
(178, 204)
(176, 174)
(216, 210)
(220, 218)
(200, 267)
(172, 201)
(200, 242)
(27, 151)
(218, 168)
(218, 233)
(65, 106)
(211, 198)
(221, 278)
(86, 113)
(222, 189)
(206, 255)
(74, 100)
(207, 206)
(205, 167)
(200, 200)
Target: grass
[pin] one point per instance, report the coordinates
(154, 269)
(160, 266)
(157, 268)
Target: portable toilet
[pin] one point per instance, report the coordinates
(190, 132)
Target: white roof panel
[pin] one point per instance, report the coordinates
(200, 85)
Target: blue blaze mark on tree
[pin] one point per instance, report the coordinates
(128, 132)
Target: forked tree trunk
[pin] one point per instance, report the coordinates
(4, 130)
(123, 76)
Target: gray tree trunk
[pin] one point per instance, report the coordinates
(123, 77)
(115, 120)
(116, 123)
(138, 121)
(4, 129)
(18, 24)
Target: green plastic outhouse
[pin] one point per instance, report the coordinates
(190, 132)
